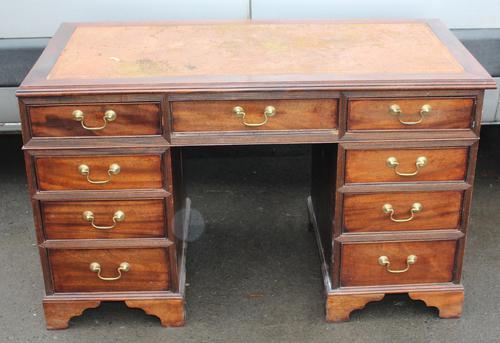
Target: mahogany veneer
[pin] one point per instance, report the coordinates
(143, 219)
(360, 266)
(440, 210)
(443, 164)
(374, 114)
(149, 270)
(136, 172)
(131, 120)
(333, 84)
(303, 114)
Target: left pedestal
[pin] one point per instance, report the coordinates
(109, 206)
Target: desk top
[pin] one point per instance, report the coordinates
(246, 54)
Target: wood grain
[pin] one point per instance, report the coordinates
(302, 114)
(440, 210)
(143, 219)
(340, 306)
(368, 114)
(169, 311)
(444, 164)
(149, 270)
(61, 173)
(59, 313)
(131, 120)
(448, 303)
(360, 267)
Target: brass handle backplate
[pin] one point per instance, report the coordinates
(114, 169)
(384, 261)
(392, 162)
(239, 111)
(109, 116)
(96, 268)
(415, 208)
(119, 216)
(396, 110)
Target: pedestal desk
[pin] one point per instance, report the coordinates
(392, 110)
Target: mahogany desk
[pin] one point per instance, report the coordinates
(392, 108)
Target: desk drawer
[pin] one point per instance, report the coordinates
(98, 172)
(410, 114)
(283, 114)
(369, 264)
(406, 165)
(133, 119)
(402, 211)
(148, 270)
(104, 219)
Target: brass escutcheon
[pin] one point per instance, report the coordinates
(415, 208)
(395, 109)
(96, 268)
(269, 111)
(119, 216)
(384, 261)
(114, 169)
(392, 162)
(109, 116)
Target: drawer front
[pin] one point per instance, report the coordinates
(367, 264)
(410, 114)
(104, 219)
(99, 172)
(406, 165)
(220, 115)
(147, 270)
(95, 120)
(402, 211)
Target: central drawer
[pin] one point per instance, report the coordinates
(251, 115)
(88, 172)
(111, 270)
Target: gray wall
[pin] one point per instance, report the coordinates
(36, 18)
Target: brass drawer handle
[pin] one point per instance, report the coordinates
(96, 268)
(239, 111)
(415, 208)
(114, 169)
(396, 110)
(384, 261)
(109, 115)
(392, 162)
(119, 216)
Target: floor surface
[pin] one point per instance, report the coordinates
(253, 269)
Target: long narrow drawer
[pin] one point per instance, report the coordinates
(244, 115)
(402, 211)
(410, 114)
(104, 219)
(99, 172)
(406, 165)
(111, 270)
(371, 264)
(132, 119)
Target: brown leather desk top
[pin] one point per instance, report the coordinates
(244, 54)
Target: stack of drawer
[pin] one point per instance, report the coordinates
(101, 185)
(402, 203)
